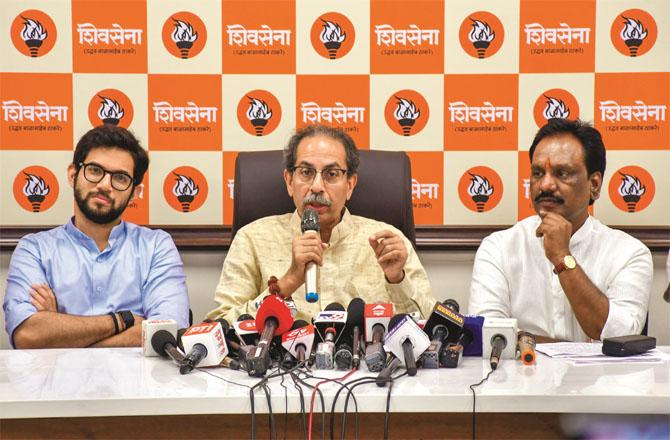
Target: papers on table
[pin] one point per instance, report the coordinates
(590, 353)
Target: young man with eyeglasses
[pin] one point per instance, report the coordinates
(90, 282)
(358, 257)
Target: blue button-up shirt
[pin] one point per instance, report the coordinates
(140, 270)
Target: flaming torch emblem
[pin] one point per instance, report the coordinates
(633, 34)
(555, 109)
(332, 37)
(631, 189)
(35, 190)
(33, 35)
(185, 189)
(480, 190)
(259, 114)
(406, 114)
(183, 36)
(481, 36)
(110, 112)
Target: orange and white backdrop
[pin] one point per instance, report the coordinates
(461, 86)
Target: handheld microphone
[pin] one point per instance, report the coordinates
(390, 368)
(343, 357)
(498, 333)
(444, 325)
(150, 327)
(526, 347)
(377, 318)
(275, 318)
(205, 345)
(164, 345)
(355, 323)
(406, 341)
(310, 224)
(298, 342)
(329, 324)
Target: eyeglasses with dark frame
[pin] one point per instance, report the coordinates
(330, 176)
(94, 173)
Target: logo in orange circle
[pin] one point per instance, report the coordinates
(634, 32)
(35, 188)
(258, 112)
(185, 189)
(481, 34)
(631, 188)
(555, 104)
(480, 189)
(33, 33)
(406, 112)
(110, 106)
(332, 35)
(184, 35)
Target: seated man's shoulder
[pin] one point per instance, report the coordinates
(147, 238)
(272, 224)
(47, 238)
(520, 232)
(615, 238)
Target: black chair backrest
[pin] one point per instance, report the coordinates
(383, 192)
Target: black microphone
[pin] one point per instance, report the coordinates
(453, 352)
(498, 344)
(164, 343)
(355, 322)
(275, 318)
(310, 224)
(193, 358)
(443, 325)
(384, 376)
(407, 346)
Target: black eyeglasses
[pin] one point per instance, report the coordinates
(330, 176)
(94, 173)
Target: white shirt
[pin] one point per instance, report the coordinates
(512, 278)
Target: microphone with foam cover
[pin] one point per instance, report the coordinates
(275, 318)
(165, 345)
(354, 327)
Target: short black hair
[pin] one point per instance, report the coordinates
(291, 149)
(111, 136)
(589, 137)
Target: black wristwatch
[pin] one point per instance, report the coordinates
(128, 318)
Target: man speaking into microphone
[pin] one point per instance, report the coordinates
(356, 256)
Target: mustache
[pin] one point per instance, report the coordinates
(106, 195)
(316, 198)
(550, 197)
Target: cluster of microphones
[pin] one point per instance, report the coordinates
(339, 338)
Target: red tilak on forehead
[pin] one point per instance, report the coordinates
(547, 163)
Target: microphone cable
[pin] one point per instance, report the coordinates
(474, 400)
(311, 408)
(388, 401)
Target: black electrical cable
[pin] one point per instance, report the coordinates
(303, 420)
(251, 398)
(323, 415)
(271, 418)
(222, 378)
(350, 393)
(474, 399)
(285, 406)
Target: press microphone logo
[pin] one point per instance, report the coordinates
(332, 35)
(480, 189)
(258, 112)
(634, 32)
(33, 33)
(35, 189)
(184, 35)
(110, 106)
(555, 104)
(632, 189)
(406, 112)
(481, 34)
(185, 189)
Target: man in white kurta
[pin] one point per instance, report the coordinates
(563, 274)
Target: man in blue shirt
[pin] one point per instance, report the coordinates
(90, 282)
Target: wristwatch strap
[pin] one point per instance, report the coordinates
(128, 318)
